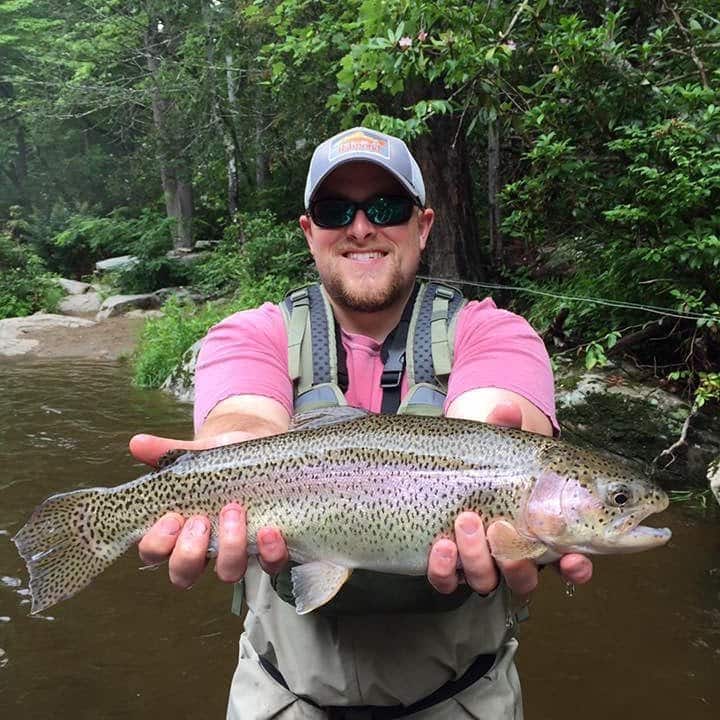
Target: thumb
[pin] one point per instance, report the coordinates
(150, 448)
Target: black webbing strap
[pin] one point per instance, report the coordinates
(392, 355)
(480, 667)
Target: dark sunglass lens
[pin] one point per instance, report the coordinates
(332, 213)
(384, 210)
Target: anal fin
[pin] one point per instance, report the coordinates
(316, 583)
(507, 544)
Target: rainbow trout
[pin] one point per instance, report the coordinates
(351, 490)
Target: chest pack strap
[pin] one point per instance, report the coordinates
(421, 344)
(392, 355)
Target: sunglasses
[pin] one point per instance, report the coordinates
(380, 210)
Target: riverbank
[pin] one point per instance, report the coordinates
(50, 336)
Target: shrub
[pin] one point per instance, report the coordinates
(270, 262)
(272, 251)
(25, 284)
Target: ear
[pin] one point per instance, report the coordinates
(426, 218)
(306, 227)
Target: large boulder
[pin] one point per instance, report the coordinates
(181, 381)
(629, 414)
(73, 287)
(85, 304)
(713, 476)
(117, 263)
(121, 304)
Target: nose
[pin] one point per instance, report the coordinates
(360, 227)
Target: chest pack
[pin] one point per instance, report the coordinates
(421, 346)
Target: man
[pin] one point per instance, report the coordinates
(366, 226)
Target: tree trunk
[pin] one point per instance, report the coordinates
(230, 139)
(261, 158)
(453, 251)
(21, 164)
(175, 172)
(497, 249)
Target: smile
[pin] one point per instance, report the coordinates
(366, 256)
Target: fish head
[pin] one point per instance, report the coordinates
(588, 502)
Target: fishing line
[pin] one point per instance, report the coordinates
(654, 309)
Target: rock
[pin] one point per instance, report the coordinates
(612, 410)
(117, 263)
(90, 302)
(713, 476)
(12, 330)
(73, 287)
(145, 314)
(181, 382)
(205, 245)
(185, 256)
(121, 304)
(179, 292)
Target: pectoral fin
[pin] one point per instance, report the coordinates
(316, 583)
(507, 544)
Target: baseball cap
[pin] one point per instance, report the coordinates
(360, 143)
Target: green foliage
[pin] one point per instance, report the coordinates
(25, 285)
(706, 386)
(164, 340)
(87, 239)
(272, 256)
(271, 261)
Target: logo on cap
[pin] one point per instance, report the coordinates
(359, 142)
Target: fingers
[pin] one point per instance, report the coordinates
(272, 550)
(189, 557)
(477, 562)
(471, 548)
(157, 544)
(521, 576)
(442, 566)
(575, 568)
(231, 561)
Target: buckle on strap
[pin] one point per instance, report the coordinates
(392, 378)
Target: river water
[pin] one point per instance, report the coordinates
(641, 640)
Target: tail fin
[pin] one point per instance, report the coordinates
(66, 543)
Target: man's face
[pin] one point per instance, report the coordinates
(366, 267)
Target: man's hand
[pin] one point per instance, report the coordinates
(183, 542)
(481, 571)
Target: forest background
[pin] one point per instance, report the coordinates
(570, 150)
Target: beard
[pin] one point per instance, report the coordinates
(368, 298)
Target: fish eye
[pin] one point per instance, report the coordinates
(620, 495)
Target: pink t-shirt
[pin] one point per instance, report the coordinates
(246, 354)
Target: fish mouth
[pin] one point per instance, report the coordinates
(641, 537)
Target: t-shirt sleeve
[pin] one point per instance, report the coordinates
(496, 348)
(244, 354)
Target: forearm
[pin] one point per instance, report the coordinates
(233, 422)
(253, 416)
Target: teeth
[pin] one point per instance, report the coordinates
(364, 255)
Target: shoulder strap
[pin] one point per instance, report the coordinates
(393, 357)
(431, 334)
(309, 313)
